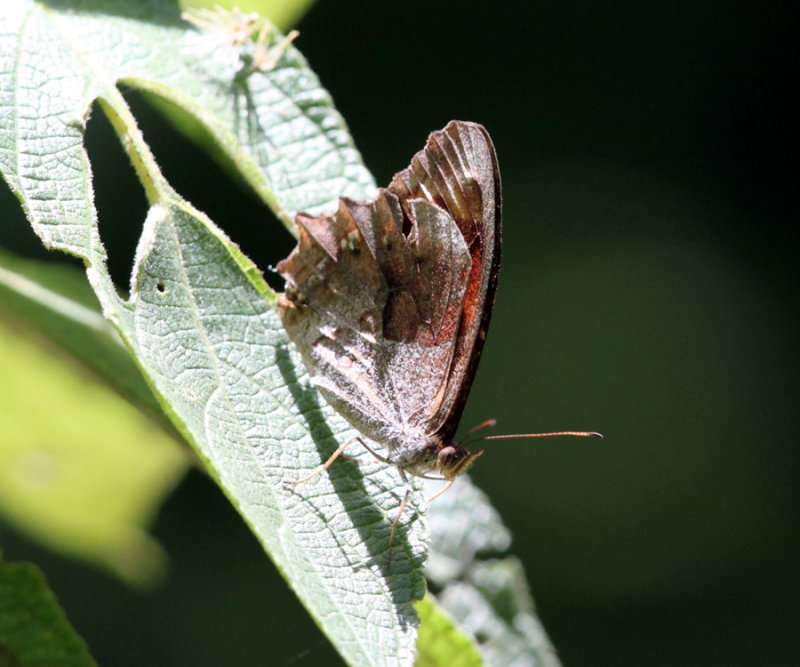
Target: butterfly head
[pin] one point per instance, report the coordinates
(453, 460)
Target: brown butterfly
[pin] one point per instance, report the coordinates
(389, 302)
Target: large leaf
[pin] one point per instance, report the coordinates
(200, 321)
(33, 629)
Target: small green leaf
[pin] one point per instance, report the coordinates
(440, 642)
(481, 586)
(34, 632)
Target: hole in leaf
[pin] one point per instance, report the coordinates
(161, 287)
(118, 196)
(212, 189)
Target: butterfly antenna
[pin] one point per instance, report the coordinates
(492, 422)
(485, 424)
(577, 434)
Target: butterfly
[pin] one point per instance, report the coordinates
(389, 301)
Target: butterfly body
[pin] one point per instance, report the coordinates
(389, 301)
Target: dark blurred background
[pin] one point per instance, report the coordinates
(648, 291)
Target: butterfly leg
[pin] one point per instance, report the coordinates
(438, 479)
(399, 512)
(439, 493)
(335, 456)
(380, 458)
(327, 463)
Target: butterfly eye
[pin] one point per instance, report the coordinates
(447, 457)
(452, 461)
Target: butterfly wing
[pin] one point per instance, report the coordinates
(458, 171)
(382, 295)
